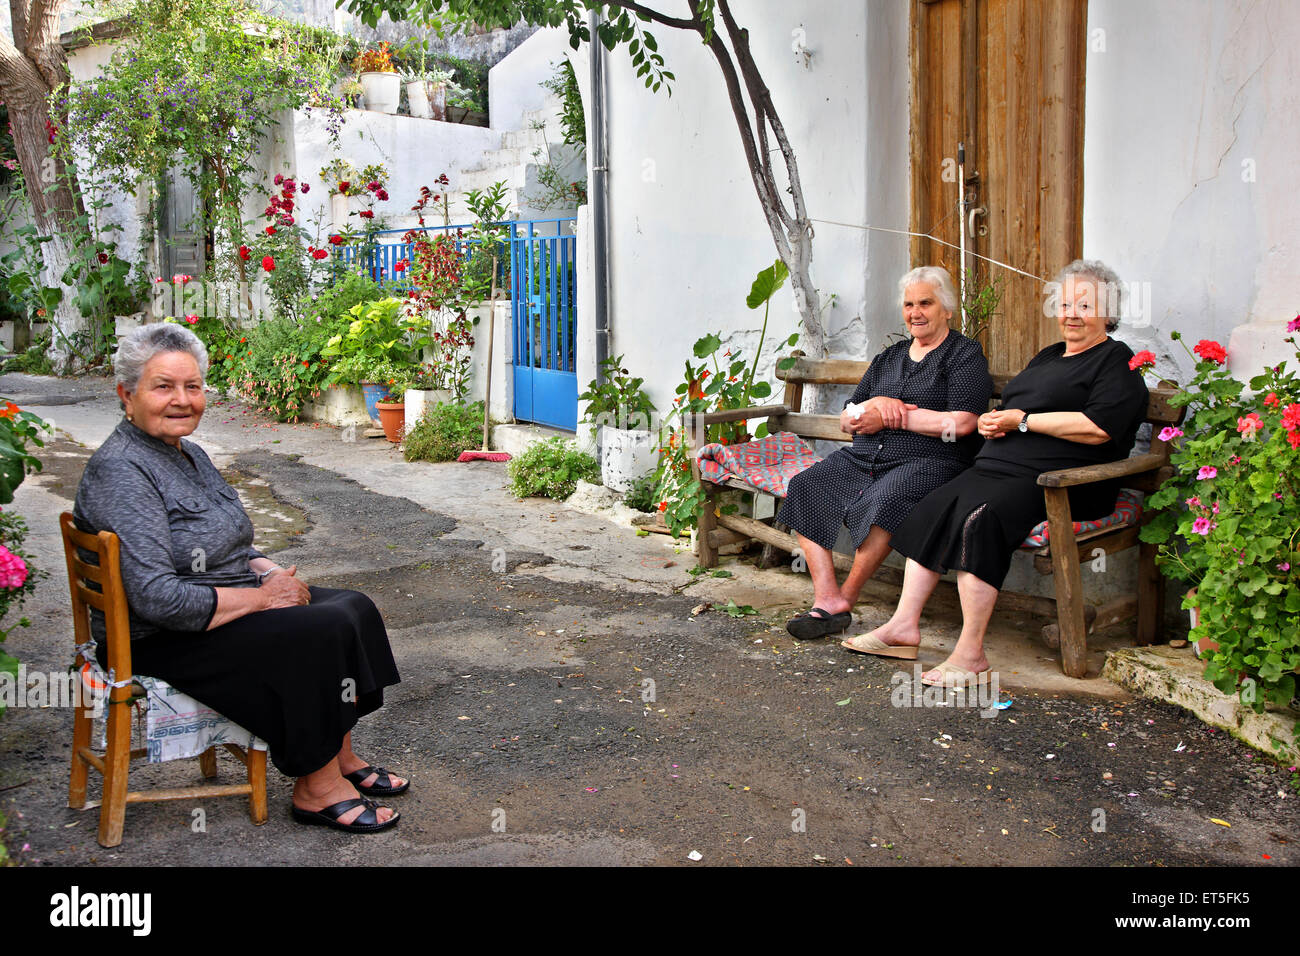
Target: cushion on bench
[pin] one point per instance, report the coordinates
(1128, 510)
(766, 463)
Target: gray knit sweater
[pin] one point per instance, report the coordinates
(182, 529)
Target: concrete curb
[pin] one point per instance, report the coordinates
(1174, 676)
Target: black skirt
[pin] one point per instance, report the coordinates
(977, 521)
(848, 489)
(297, 677)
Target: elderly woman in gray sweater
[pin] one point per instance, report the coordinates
(217, 619)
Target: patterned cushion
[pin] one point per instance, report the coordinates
(767, 463)
(1128, 510)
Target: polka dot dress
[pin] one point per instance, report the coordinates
(881, 477)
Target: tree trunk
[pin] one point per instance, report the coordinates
(28, 73)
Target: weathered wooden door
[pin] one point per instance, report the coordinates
(1004, 77)
(184, 232)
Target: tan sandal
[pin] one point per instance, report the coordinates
(870, 644)
(951, 676)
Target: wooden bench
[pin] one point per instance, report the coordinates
(1062, 557)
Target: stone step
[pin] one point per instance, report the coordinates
(515, 438)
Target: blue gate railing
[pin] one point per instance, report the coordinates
(541, 269)
(543, 299)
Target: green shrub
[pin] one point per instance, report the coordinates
(551, 469)
(444, 431)
(33, 361)
(346, 291)
(642, 494)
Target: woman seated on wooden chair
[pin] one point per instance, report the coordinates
(1076, 403)
(912, 418)
(216, 619)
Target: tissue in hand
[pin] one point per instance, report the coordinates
(854, 409)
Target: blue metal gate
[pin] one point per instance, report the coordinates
(543, 299)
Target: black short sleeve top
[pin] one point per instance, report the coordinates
(1097, 382)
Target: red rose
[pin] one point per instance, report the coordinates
(306, 188)
(319, 253)
(286, 220)
(244, 252)
(287, 205)
(290, 186)
(268, 211)
(1211, 351)
(268, 263)
(366, 214)
(343, 185)
(399, 265)
(103, 258)
(278, 179)
(1141, 360)
(336, 240)
(382, 195)
(372, 186)
(270, 230)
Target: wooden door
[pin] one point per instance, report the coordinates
(184, 231)
(1004, 77)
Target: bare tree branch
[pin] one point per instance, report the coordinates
(633, 7)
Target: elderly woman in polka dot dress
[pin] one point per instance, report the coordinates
(912, 418)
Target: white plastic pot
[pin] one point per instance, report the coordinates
(417, 97)
(383, 91)
(625, 456)
(420, 400)
(339, 211)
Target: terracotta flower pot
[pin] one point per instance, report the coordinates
(392, 415)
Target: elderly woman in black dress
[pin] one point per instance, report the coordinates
(1076, 403)
(912, 418)
(218, 620)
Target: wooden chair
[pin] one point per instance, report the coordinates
(1061, 557)
(110, 599)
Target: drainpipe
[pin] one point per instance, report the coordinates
(599, 194)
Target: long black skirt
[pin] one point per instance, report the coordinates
(297, 677)
(845, 489)
(977, 521)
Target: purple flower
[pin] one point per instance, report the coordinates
(1206, 473)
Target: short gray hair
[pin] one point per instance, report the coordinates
(141, 344)
(1110, 291)
(937, 278)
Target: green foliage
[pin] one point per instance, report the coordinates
(623, 28)
(729, 384)
(980, 306)
(378, 332)
(34, 361)
(489, 234)
(551, 469)
(641, 497)
(347, 291)
(564, 84)
(444, 431)
(619, 400)
(19, 430)
(199, 82)
(1228, 522)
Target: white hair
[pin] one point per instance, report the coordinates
(1110, 291)
(143, 343)
(937, 278)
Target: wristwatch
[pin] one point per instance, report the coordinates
(1024, 423)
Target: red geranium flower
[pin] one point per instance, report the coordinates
(1142, 360)
(191, 319)
(268, 263)
(1211, 351)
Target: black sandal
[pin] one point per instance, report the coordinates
(383, 785)
(818, 623)
(329, 816)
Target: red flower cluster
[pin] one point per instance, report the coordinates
(1291, 422)
(268, 263)
(319, 253)
(367, 214)
(1143, 360)
(336, 240)
(244, 253)
(1211, 351)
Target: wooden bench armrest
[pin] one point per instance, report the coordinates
(1087, 474)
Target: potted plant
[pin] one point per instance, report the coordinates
(1226, 521)
(395, 379)
(379, 337)
(620, 414)
(379, 79)
(423, 391)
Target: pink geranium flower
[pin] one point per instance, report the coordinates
(13, 569)
(1169, 433)
(1206, 473)
(1202, 526)
(1249, 425)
